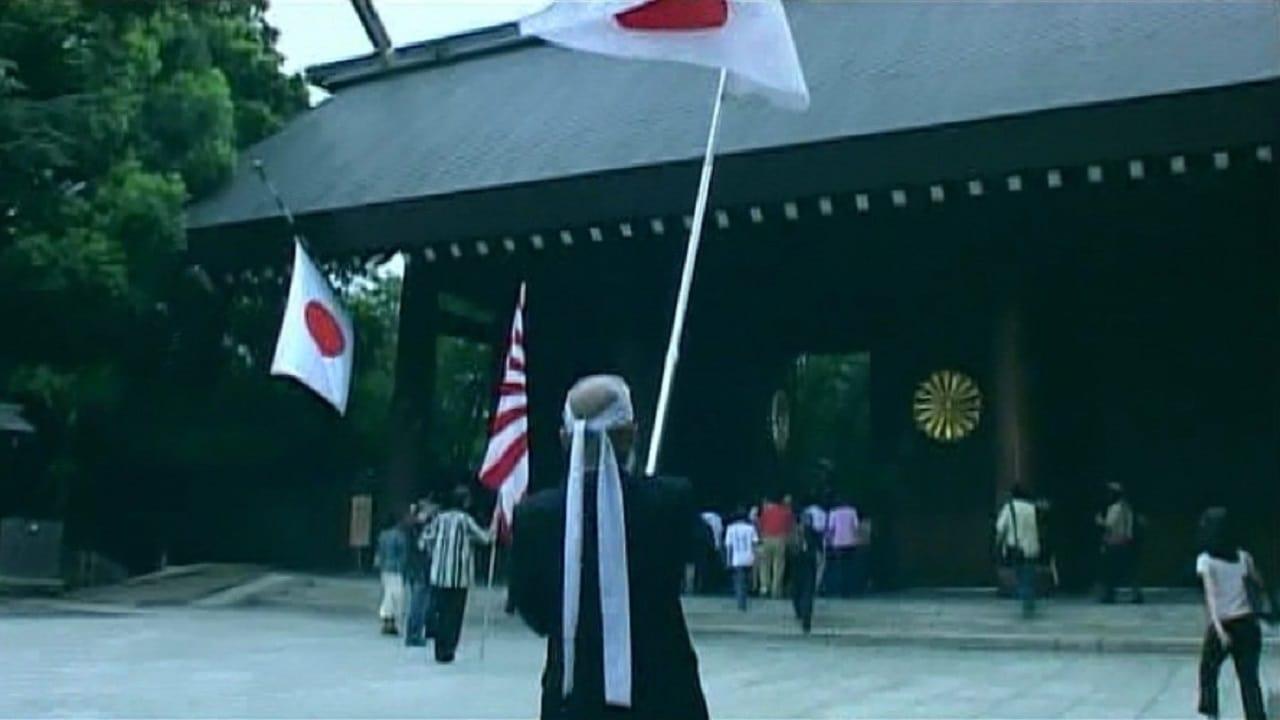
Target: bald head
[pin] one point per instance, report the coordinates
(592, 396)
(604, 399)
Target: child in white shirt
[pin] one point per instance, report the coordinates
(740, 540)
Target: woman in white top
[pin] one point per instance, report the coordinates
(1224, 568)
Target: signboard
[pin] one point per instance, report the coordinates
(361, 521)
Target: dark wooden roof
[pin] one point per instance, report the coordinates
(485, 135)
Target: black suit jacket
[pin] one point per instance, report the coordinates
(662, 528)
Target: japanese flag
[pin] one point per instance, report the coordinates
(315, 344)
(749, 38)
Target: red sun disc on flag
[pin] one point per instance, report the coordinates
(325, 330)
(676, 15)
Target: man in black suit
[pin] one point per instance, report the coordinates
(617, 645)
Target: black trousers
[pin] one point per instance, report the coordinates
(804, 581)
(447, 608)
(1245, 650)
(1119, 568)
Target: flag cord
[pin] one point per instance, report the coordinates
(261, 170)
(686, 280)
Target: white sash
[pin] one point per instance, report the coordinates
(611, 544)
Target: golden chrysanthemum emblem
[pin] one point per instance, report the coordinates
(947, 406)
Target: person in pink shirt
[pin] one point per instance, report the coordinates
(842, 549)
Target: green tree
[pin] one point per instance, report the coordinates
(831, 421)
(464, 380)
(113, 115)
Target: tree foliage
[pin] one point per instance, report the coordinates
(114, 115)
(831, 423)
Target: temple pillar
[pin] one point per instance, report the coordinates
(413, 400)
(1010, 400)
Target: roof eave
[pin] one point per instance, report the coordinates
(334, 76)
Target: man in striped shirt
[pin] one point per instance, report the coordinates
(452, 536)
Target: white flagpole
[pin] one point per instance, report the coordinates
(493, 561)
(686, 281)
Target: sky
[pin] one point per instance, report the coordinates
(316, 31)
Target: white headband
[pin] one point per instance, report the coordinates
(611, 546)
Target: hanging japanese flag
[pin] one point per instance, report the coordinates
(749, 38)
(315, 344)
(506, 461)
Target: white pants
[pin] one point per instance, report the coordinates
(392, 607)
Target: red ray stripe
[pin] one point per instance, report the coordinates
(508, 389)
(515, 363)
(492, 477)
(506, 418)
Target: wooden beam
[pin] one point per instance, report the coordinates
(374, 28)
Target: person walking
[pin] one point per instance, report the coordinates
(814, 516)
(806, 549)
(1018, 537)
(864, 553)
(777, 523)
(597, 573)
(753, 517)
(740, 541)
(842, 546)
(710, 567)
(417, 574)
(1226, 570)
(1119, 545)
(452, 537)
(389, 558)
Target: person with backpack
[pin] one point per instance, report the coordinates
(1018, 537)
(1228, 574)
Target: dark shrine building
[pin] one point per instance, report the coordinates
(1053, 229)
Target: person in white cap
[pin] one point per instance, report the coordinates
(598, 566)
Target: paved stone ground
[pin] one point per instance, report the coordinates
(1168, 623)
(279, 662)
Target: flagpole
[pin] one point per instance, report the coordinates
(686, 280)
(493, 562)
(261, 170)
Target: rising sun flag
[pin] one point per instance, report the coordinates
(506, 461)
(750, 39)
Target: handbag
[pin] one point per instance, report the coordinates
(1263, 601)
